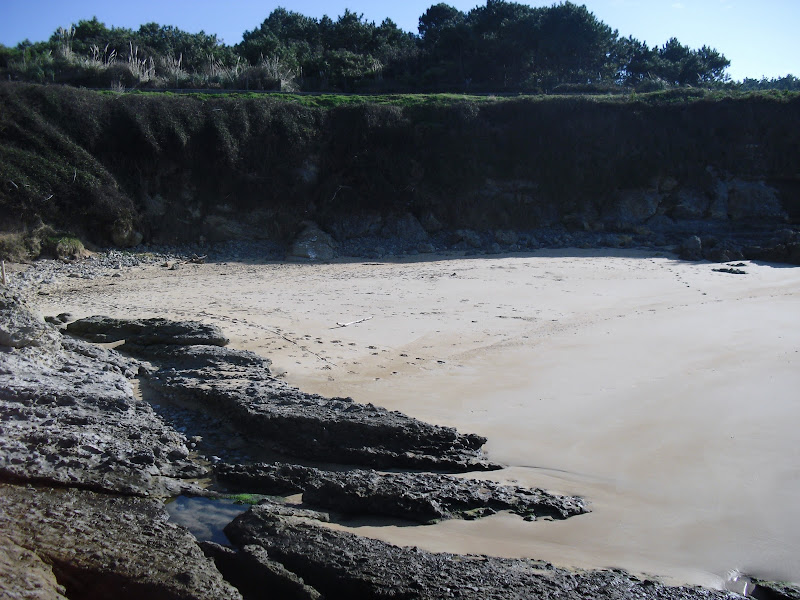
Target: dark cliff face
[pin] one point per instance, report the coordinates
(177, 168)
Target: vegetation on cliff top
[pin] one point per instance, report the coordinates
(498, 47)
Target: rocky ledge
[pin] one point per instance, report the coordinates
(421, 497)
(85, 464)
(239, 388)
(339, 564)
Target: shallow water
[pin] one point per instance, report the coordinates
(205, 518)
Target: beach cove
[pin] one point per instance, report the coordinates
(662, 391)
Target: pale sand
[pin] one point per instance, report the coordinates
(665, 393)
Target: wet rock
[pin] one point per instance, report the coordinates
(421, 497)
(342, 565)
(101, 546)
(144, 332)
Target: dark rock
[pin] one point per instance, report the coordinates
(144, 332)
(252, 571)
(405, 227)
(779, 253)
(101, 546)
(282, 419)
(312, 244)
(421, 497)
(471, 238)
(430, 223)
(363, 225)
(342, 565)
(753, 200)
(632, 207)
(723, 252)
(770, 590)
(731, 271)
(691, 249)
(506, 237)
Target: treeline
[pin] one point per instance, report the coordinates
(500, 47)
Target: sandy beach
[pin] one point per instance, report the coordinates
(662, 391)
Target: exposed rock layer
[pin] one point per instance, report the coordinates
(342, 565)
(100, 546)
(422, 497)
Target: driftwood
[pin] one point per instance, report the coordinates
(352, 322)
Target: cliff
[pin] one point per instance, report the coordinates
(121, 168)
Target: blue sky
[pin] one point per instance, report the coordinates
(759, 37)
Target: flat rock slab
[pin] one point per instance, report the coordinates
(420, 497)
(342, 565)
(68, 416)
(147, 331)
(80, 544)
(239, 387)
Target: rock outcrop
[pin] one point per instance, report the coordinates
(421, 497)
(239, 388)
(146, 332)
(68, 416)
(80, 544)
(343, 565)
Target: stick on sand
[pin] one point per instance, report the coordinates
(353, 322)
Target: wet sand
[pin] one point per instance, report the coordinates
(664, 392)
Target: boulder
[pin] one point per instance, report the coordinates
(144, 332)
(753, 200)
(312, 244)
(691, 249)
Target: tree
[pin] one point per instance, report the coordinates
(435, 20)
